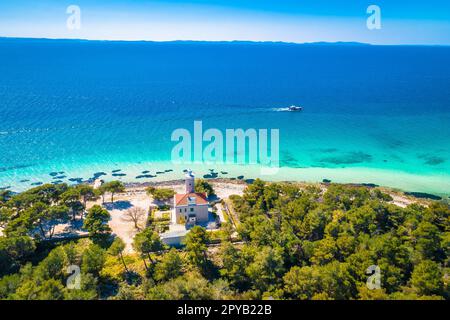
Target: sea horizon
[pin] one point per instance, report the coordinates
(237, 41)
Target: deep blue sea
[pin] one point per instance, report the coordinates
(81, 107)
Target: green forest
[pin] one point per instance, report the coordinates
(289, 242)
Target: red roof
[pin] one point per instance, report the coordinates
(182, 199)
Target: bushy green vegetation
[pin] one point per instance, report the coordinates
(96, 223)
(203, 186)
(306, 244)
(296, 243)
(160, 194)
(112, 187)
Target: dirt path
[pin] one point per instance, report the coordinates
(120, 225)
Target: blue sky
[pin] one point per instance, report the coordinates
(403, 22)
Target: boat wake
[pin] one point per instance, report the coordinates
(280, 109)
(290, 109)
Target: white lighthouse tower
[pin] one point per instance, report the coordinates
(190, 182)
(191, 207)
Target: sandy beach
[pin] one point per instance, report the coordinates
(136, 196)
(165, 172)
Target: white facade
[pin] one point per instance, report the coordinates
(191, 207)
(190, 182)
(98, 183)
(193, 213)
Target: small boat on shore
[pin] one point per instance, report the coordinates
(295, 108)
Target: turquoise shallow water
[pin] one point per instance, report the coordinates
(372, 114)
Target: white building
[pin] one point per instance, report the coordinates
(191, 207)
(98, 183)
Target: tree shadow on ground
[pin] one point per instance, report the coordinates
(118, 205)
(213, 198)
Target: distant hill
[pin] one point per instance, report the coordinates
(192, 41)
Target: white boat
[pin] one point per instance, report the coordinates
(295, 108)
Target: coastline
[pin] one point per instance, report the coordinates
(107, 119)
(165, 172)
